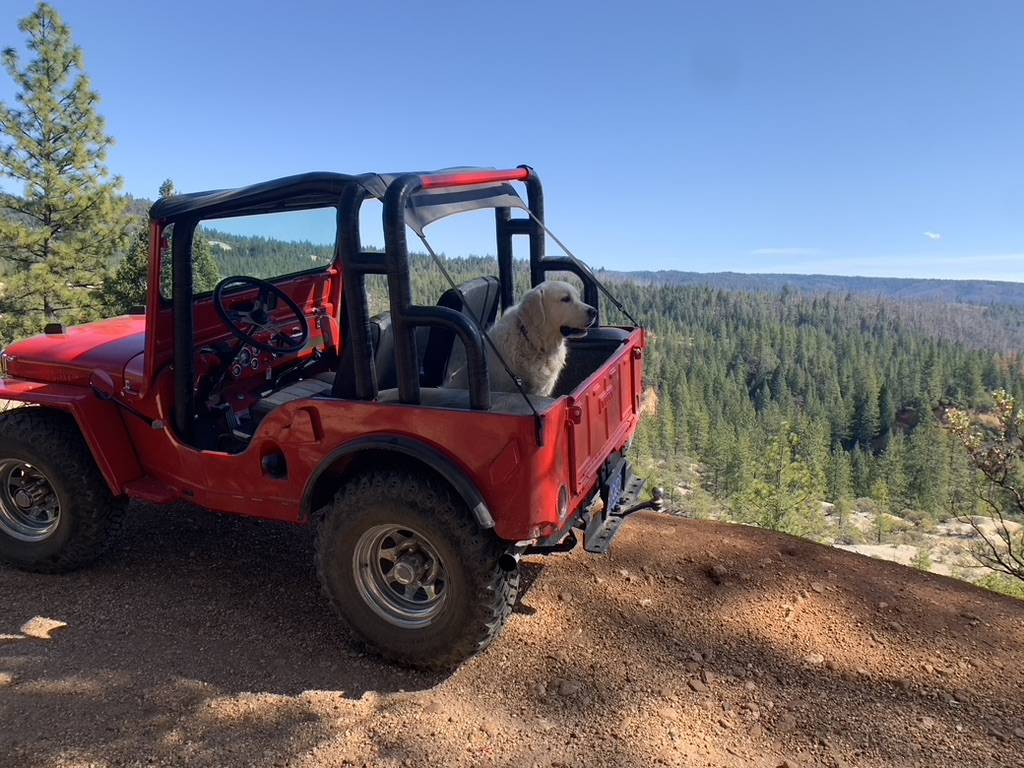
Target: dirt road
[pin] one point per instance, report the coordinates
(204, 641)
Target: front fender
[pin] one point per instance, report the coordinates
(99, 422)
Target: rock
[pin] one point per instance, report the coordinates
(565, 597)
(489, 728)
(788, 763)
(756, 730)
(724, 723)
(7, 679)
(646, 602)
(786, 723)
(623, 573)
(814, 659)
(818, 587)
(928, 668)
(718, 573)
(41, 628)
(707, 677)
(926, 722)
(1019, 733)
(696, 685)
(569, 688)
(668, 713)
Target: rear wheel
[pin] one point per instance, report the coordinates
(56, 512)
(403, 562)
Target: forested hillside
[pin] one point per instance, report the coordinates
(264, 257)
(910, 289)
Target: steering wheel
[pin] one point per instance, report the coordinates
(256, 319)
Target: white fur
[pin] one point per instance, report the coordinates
(530, 339)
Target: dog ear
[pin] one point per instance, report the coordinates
(532, 307)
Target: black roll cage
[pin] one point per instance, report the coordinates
(347, 193)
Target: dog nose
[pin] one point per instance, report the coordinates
(591, 314)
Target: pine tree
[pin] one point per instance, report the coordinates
(59, 236)
(125, 288)
(886, 409)
(782, 497)
(928, 469)
(838, 481)
(861, 463)
(892, 470)
(865, 411)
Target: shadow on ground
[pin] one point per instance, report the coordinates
(788, 650)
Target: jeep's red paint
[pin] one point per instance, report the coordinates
(101, 424)
(519, 481)
(468, 178)
(71, 357)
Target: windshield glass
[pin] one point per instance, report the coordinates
(267, 245)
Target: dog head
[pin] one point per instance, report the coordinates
(555, 307)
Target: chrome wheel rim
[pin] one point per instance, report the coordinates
(29, 507)
(400, 576)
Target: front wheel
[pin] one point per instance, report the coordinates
(56, 512)
(403, 562)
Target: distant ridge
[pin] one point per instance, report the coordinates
(908, 289)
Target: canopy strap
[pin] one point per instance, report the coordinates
(538, 421)
(601, 287)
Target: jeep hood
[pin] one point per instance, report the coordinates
(72, 356)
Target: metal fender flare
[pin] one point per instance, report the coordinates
(414, 449)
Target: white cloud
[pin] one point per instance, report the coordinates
(932, 235)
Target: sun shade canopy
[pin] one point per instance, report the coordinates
(444, 194)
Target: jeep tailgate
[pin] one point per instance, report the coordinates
(604, 411)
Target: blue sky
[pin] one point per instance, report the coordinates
(874, 138)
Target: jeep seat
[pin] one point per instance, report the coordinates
(437, 348)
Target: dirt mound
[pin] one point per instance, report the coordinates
(205, 642)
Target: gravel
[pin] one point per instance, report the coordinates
(203, 641)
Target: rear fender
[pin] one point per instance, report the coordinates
(406, 448)
(99, 422)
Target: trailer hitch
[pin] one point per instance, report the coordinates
(656, 503)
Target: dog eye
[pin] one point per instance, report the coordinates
(567, 298)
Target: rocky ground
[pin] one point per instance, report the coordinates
(205, 642)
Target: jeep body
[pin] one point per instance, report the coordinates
(172, 405)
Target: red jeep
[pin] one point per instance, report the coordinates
(280, 397)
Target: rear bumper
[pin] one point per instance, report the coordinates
(600, 519)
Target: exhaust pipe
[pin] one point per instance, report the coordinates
(509, 562)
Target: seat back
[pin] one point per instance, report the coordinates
(438, 348)
(478, 299)
(345, 381)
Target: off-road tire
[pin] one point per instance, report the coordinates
(90, 517)
(482, 593)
